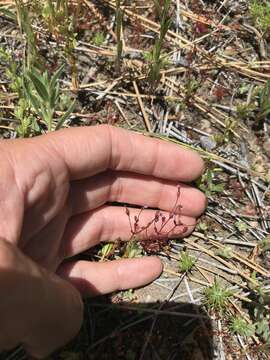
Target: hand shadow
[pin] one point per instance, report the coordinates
(143, 331)
(137, 331)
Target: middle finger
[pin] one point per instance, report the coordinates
(141, 190)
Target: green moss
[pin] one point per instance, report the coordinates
(260, 13)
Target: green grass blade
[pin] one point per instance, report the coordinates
(38, 82)
(8, 13)
(57, 76)
(65, 116)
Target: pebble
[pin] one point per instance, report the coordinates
(208, 143)
(206, 126)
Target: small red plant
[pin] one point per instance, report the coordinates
(220, 92)
(162, 227)
(201, 27)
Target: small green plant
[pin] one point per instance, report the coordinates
(61, 23)
(119, 46)
(7, 13)
(226, 252)
(207, 182)
(52, 13)
(263, 329)
(241, 226)
(260, 309)
(244, 111)
(216, 297)
(186, 262)
(43, 93)
(265, 244)
(191, 87)
(260, 13)
(127, 295)
(262, 313)
(98, 38)
(106, 250)
(11, 71)
(28, 123)
(264, 101)
(24, 21)
(22, 109)
(202, 226)
(243, 88)
(157, 59)
(231, 124)
(132, 249)
(241, 327)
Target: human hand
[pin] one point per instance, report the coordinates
(54, 195)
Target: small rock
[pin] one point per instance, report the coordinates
(230, 51)
(206, 126)
(181, 62)
(134, 55)
(208, 143)
(244, 163)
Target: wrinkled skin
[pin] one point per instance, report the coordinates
(55, 195)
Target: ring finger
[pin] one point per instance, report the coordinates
(109, 223)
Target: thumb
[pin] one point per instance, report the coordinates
(38, 309)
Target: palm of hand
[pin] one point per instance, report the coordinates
(55, 193)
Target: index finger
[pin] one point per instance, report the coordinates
(91, 150)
